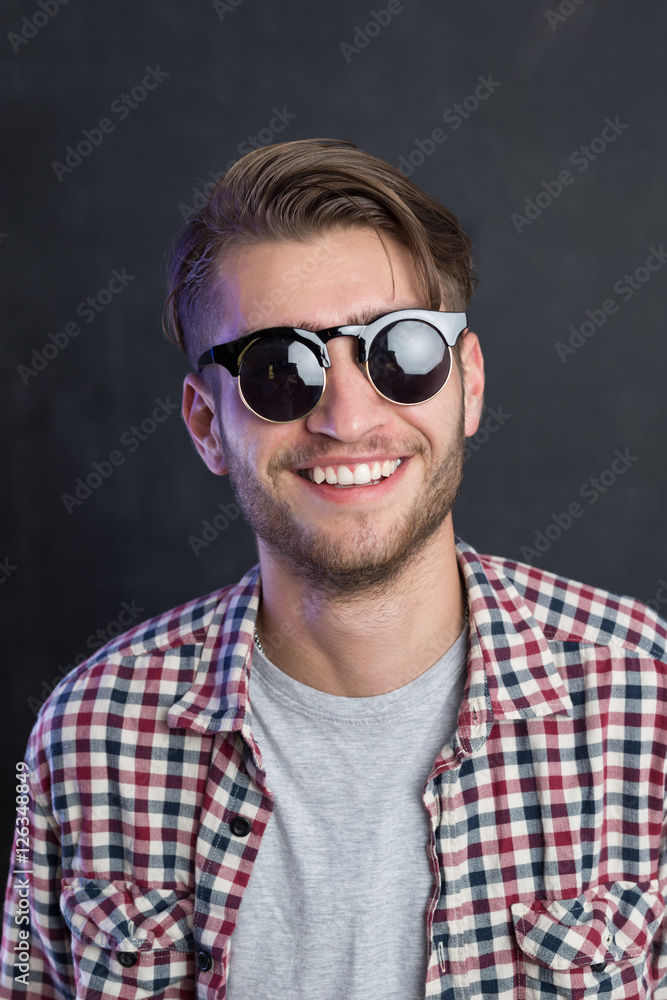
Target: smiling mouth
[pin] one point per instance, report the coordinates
(346, 476)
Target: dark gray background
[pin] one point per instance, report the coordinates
(128, 542)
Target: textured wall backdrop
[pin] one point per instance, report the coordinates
(540, 124)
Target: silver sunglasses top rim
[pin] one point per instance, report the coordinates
(394, 317)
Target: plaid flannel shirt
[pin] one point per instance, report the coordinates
(547, 847)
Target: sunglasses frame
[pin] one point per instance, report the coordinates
(450, 325)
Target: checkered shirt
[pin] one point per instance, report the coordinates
(547, 823)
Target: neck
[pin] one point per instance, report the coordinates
(373, 643)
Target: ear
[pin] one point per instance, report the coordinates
(472, 363)
(199, 414)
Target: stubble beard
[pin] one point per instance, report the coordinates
(364, 559)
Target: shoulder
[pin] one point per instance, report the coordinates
(143, 671)
(572, 612)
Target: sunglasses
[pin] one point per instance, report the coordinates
(281, 371)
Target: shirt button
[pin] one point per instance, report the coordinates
(599, 967)
(240, 826)
(127, 958)
(204, 960)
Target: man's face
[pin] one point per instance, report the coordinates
(343, 540)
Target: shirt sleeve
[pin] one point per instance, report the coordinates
(50, 973)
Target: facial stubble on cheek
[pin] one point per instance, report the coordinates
(362, 558)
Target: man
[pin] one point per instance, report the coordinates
(381, 765)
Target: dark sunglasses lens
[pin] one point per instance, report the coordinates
(281, 379)
(409, 361)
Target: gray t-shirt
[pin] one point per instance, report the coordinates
(335, 908)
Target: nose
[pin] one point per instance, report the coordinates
(350, 407)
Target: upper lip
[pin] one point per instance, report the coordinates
(323, 462)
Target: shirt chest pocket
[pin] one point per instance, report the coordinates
(129, 940)
(595, 945)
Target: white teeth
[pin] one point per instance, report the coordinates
(344, 476)
(359, 475)
(362, 475)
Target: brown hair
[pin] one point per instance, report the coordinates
(294, 191)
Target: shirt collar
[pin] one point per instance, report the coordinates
(509, 655)
(509, 652)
